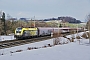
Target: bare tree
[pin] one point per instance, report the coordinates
(88, 25)
(1, 23)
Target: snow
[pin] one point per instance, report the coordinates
(9, 37)
(70, 51)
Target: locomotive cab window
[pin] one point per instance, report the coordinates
(18, 31)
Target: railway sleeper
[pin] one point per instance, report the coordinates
(12, 43)
(6, 46)
(27, 42)
(17, 43)
(22, 43)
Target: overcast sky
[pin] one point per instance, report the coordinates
(46, 8)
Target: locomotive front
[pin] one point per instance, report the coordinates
(18, 32)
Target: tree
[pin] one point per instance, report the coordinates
(3, 20)
(1, 27)
(88, 25)
(60, 25)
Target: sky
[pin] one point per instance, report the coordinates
(46, 8)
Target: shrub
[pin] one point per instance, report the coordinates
(19, 50)
(49, 45)
(56, 41)
(44, 46)
(78, 37)
(29, 48)
(84, 35)
(69, 39)
(72, 40)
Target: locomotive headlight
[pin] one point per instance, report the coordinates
(18, 34)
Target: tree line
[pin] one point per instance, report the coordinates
(11, 25)
(65, 19)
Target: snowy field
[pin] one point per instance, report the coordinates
(77, 50)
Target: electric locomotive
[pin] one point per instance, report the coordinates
(25, 32)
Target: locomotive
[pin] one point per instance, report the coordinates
(25, 32)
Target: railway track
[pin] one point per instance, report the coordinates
(12, 43)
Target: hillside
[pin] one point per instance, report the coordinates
(65, 19)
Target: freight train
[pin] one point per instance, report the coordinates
(21, 32)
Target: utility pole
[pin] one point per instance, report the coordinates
(58, 28)
(31, 23)
(34, 21)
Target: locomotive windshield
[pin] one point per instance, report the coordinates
(18, 30)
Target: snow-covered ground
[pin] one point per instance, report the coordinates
(9, 37)
(69, 51)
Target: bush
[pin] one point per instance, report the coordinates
(72, 40)
(56, 41)
(69, 39)
(19, 50)
(78, 37)
(85, 35)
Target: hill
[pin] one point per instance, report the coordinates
(65, 19)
